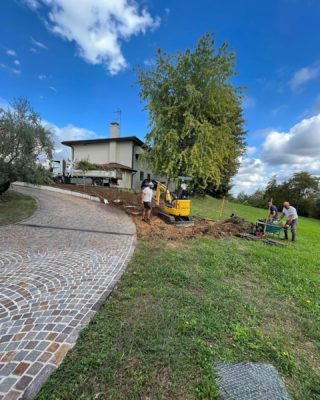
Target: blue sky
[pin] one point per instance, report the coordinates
(76, 79)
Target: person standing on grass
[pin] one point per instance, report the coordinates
(292, 220)
(146, 201)
(273, 212)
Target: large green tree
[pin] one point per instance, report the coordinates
(24, 143)
(195, 115)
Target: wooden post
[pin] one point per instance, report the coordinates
(267, 219)
(221, 208)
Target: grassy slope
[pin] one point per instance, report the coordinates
(210, 207)
(16, 207)
(180, 308)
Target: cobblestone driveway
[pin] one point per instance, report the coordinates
(56, 268)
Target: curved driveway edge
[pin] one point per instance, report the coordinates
(56, 269)
(16, 185)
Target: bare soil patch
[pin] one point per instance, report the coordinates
(129, 202)
(157, 229)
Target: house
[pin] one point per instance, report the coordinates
(119, 154)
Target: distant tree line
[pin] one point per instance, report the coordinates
(302, 191)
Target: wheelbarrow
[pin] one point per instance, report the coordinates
(263, 227)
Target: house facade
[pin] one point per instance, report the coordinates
(119, 154)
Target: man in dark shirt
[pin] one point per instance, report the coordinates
(146, 181)
(273, 212)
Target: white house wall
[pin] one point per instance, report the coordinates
(118, 152)
(104, 153)
(124, 153)
(95, 153)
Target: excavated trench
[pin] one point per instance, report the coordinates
(157, 229)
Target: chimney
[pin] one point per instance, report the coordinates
(114, 130)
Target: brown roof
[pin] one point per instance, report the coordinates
(133, 139)
(111, 166)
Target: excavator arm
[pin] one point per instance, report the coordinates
(175, 210)
(161, 188)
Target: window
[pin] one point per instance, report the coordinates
(149, 176)
(141, 175)
(137, 157)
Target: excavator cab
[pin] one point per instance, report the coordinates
(176, 207)
(182, 189)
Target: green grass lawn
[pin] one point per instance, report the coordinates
(16, 207)
(212, 208)
(180, 308)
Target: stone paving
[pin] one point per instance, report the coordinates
(56, 269)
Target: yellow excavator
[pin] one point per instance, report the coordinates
(176, 207)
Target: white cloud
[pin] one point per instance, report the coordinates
(262, 133)
(4, 103)
(42, 77)
(97, 27)
(31, 3)
(311, 111)
(148, 62)
(69, 132)
(33, 50)
(282, 154)
(251, 150)
(11, 53)
(300, 145)
(250, 177)
(248, 102)
(38, 44)
(15, 71)
(317, 104)
(53, 89)
(304, 75)
(9, 69)
(279, 110)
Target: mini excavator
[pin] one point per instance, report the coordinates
(176, 207)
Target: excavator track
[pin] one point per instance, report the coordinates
(178, 221)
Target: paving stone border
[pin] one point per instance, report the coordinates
(57, 190)
(56, 269)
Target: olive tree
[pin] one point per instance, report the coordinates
(24, 144)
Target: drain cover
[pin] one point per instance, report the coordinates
(249, 381)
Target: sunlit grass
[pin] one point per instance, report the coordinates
(180, 308)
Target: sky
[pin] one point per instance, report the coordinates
(75, 59)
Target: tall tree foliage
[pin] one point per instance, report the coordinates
(195, 116)
(23, 143)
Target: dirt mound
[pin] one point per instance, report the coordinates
(121, 198)
(157, 229)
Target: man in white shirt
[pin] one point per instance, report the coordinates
(146, 200)
(292, 220)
